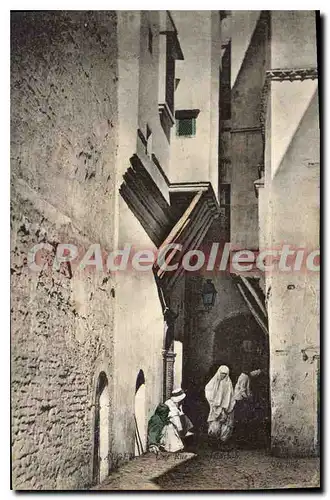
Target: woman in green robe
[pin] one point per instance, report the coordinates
(155, 426)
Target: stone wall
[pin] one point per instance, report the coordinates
(63, 134)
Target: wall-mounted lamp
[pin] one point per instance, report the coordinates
(208, 295)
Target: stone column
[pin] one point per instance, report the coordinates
(169, 359)
(168, 352)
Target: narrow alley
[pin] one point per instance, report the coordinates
(165, 262)
(206, 469)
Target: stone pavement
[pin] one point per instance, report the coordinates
(214, 470)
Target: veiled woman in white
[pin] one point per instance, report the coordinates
(220, 396)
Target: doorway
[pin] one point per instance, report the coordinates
(177, 364)
(101, 430)
(140, 415)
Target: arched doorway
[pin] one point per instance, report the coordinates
(140, 415)
(239, 341)
(177, 364)
(101, 429)
(241, 344)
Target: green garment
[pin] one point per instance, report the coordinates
(156, 424)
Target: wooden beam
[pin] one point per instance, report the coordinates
(254, 293)
(253, 312)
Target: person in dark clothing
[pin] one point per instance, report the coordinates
(245, 408)
(261, 418)
(156, 425)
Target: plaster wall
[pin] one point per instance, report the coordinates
(294, 296)
(289, 209)
(139, 337)
(292, 30)
(243, 23)
(196, 158)
(151, 73)
(138, 324)
(246, 139)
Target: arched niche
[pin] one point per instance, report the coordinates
(140, 416)
(101, 429)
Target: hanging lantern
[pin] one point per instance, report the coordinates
(208, 294)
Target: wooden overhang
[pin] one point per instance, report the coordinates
(184, 221)
(190, 229)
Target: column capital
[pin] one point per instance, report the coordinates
(169, 355)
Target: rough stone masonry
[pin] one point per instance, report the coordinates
(63, 133)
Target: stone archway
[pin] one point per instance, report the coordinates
(101, 429)
(140, 415)
(241, 344)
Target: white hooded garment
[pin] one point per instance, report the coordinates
(220, 394)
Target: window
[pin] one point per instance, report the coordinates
(186, 122)
(186, 127)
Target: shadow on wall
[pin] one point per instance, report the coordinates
(140, 415)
